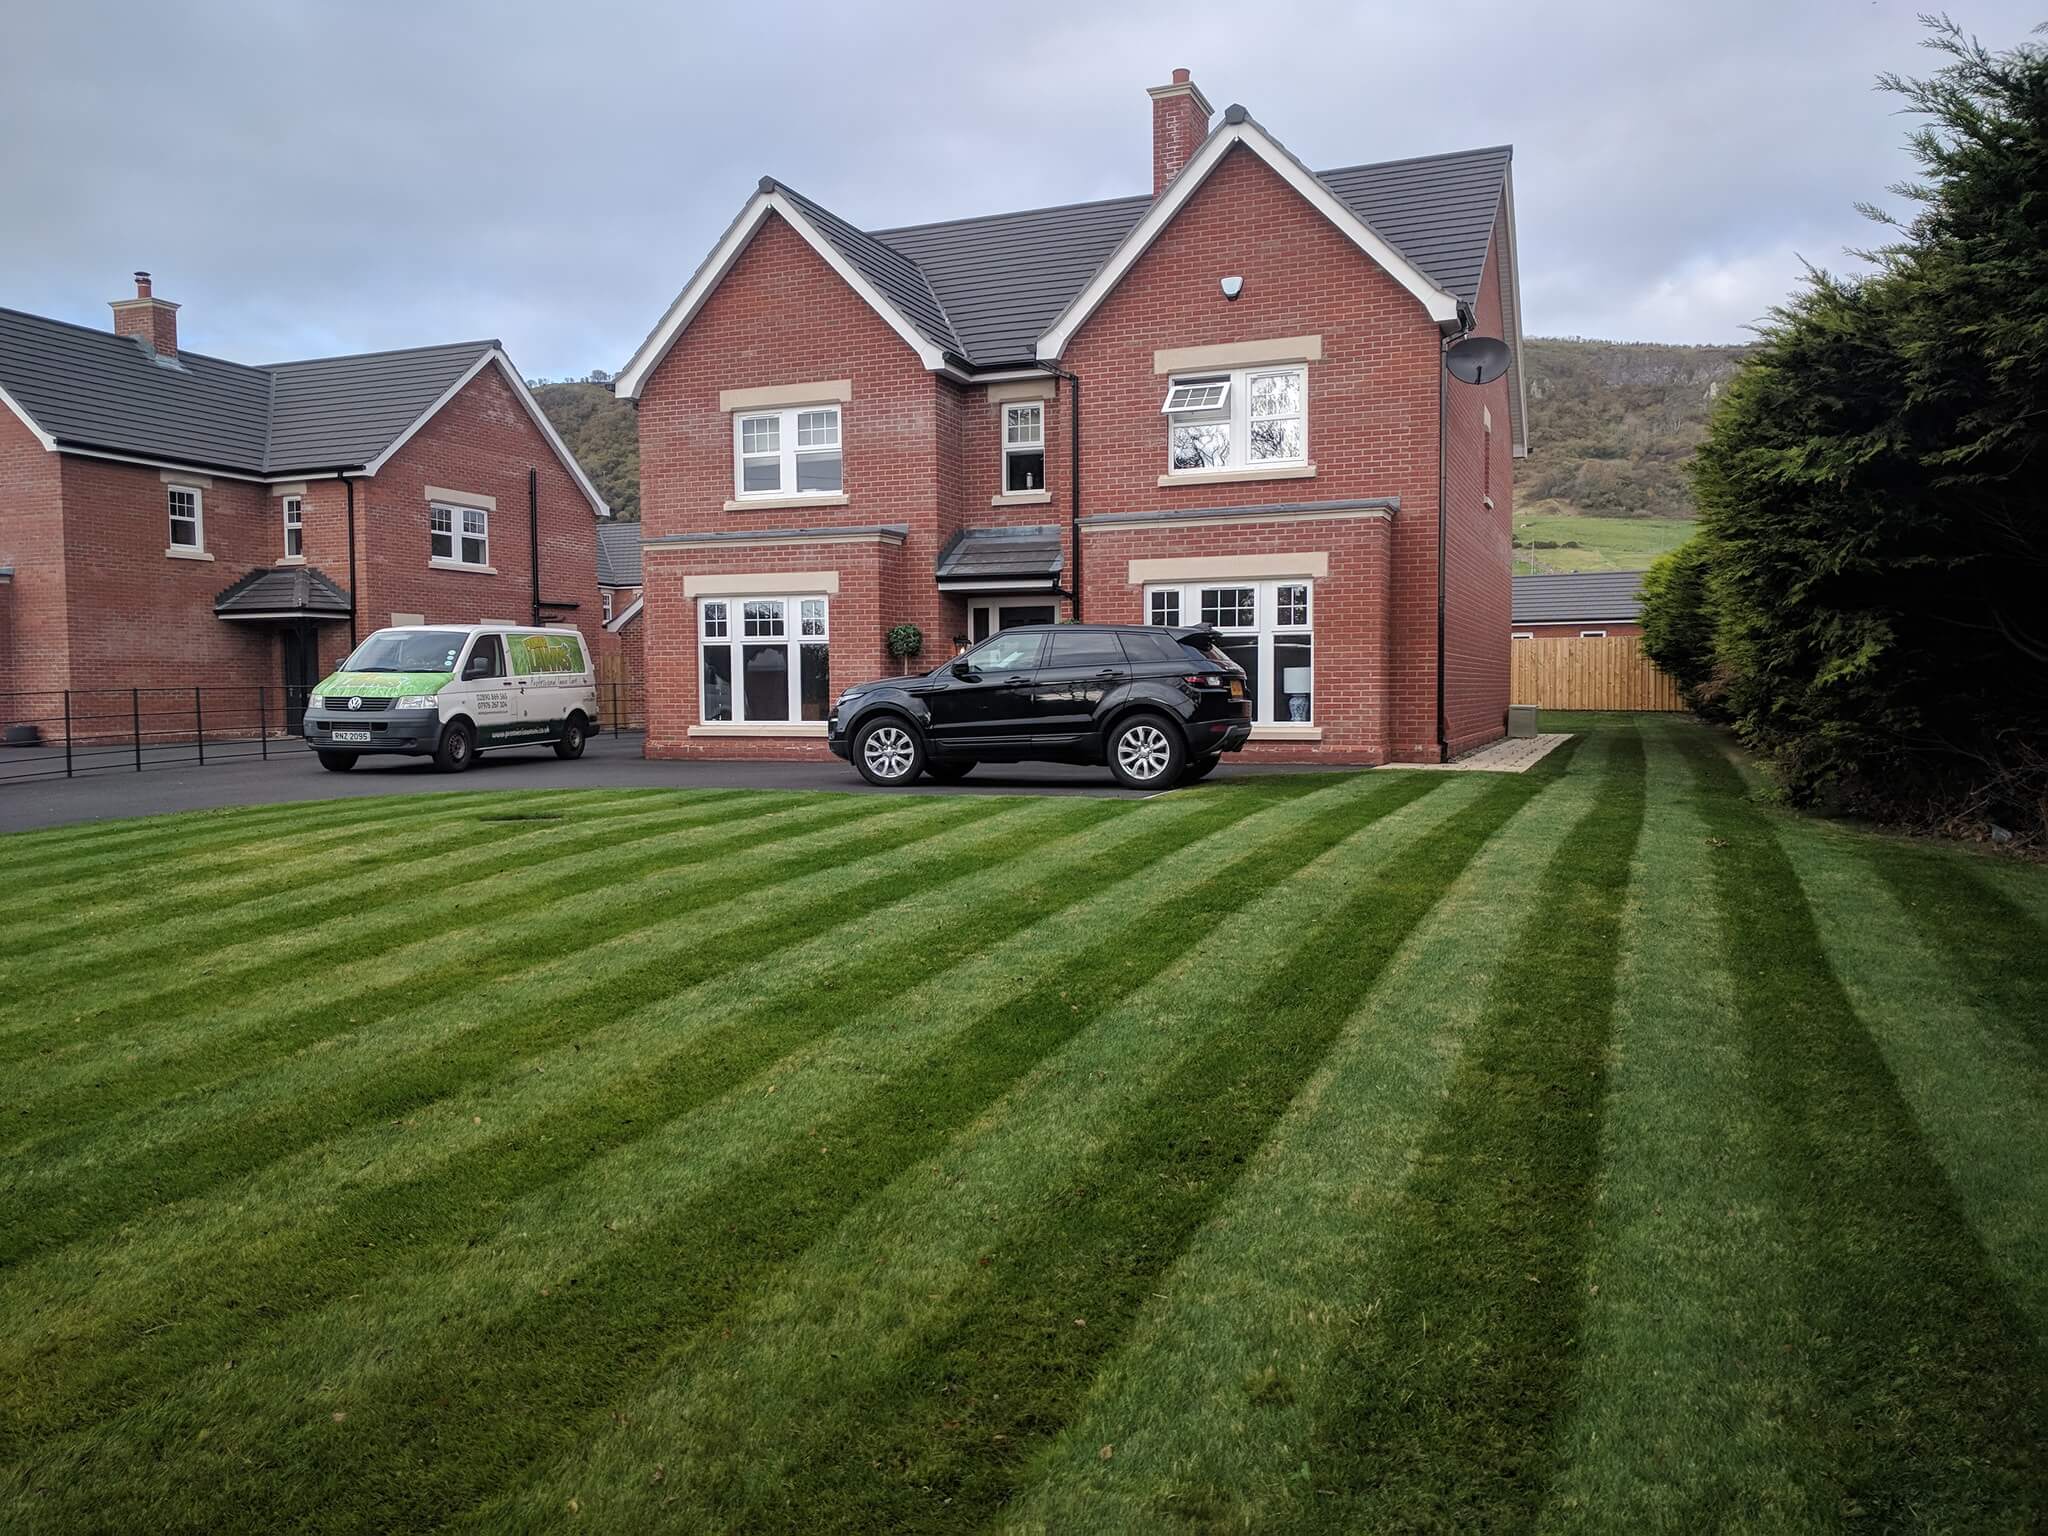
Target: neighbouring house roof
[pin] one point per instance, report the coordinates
(989, 558)
(618, 554)
(1579, 597)
(92, 391)
(1003, 290)
(283, 592)
(626, 615)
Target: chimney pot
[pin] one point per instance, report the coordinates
(1180, 77)
(142, 285)
(1180, 121)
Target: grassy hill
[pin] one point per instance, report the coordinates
(600, 430)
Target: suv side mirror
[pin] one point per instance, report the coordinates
(964, 670)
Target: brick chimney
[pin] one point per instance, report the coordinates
(152, 321)
(1180, 121)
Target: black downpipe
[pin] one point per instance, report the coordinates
(350, 487)
(1443, 520)
(533, 529)
(1073, 478)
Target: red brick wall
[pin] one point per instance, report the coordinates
(34, 640)
(1480, 545)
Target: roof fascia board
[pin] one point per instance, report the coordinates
(633, 377)
(1441, 306)
(49, 443)
(188, 466)
(1511, 260)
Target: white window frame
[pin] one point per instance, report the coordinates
(294, 512)
(800, 610)
(1592, 634)
(604, 602)
(458, 533)
(1232, 410)
(787, 450)
(1011, 410)
(197, 519)
(1265, 627)
(1523, 634)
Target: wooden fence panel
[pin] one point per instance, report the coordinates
(1607, 673)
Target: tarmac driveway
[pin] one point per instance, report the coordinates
(610, 762)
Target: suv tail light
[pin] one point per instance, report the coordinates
(1206, 680)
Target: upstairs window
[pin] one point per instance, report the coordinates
(461, 535)
(793, 452)
(188, 529)
(294, 528)
(1024, 447)
(1247, 419)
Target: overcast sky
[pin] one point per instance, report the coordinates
(311, 178)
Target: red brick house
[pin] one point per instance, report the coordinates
(1578, 605)
(844, 430)
(172, 519)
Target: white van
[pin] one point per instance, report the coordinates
(450, 691)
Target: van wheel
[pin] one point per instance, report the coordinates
(887, 752)
(571, 743)
(950, 772)
(337, 762)
(458, 747)
(1146, 753)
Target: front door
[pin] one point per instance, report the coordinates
(985, 695)
(301, 671)
(993, 618)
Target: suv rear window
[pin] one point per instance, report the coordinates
(1149, 649)
(1209, 656)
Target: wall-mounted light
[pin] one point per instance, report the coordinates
(1232, 287)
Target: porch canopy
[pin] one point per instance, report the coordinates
(1022, 559)
(283, 594)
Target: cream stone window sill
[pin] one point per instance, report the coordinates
(1238, 476)
(1287, 733)
(1020, 499)
(766, 728)
(174, 553)
(435, 562)
(786, 503)
(291, 560)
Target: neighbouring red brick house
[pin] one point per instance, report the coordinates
(172, 519)
(623, 669)
(1578, 605)
(845, 430)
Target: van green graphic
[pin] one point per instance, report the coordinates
(381, 685)
(534, 654)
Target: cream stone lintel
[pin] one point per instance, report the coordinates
(1313, 564)
(1234, 476)
(822, 392)
(739, 583)
(181, 477)
(295, 488)
(1239, 354)
(1024, 389)
(407, 620)
(792, 728)
(462, 498)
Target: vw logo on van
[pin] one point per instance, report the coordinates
(355, 703)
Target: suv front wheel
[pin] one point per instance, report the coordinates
(1145, 752)
(888, 753)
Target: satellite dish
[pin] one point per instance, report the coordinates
(1477, 359)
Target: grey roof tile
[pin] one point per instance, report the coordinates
(1578, 597)
(618, 554)
(993, 554)
(301, 589)
(335, 411)
(897, 276)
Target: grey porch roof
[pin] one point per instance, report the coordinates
(93, 389)
(987, 288)
(618, 554)
(1579, 598)
(283, 591)
(1025, 554)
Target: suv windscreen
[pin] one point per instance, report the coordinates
(408, 650)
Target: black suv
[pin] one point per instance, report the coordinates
(1158, 705)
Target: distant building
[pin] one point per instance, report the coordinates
(1582, 605)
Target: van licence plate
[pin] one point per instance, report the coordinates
(351, 735)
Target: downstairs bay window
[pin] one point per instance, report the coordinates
(764, 660)
(1263, 626)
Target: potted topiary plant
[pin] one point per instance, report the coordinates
(905, 641)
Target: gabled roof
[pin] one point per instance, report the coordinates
(982, 294)
(1578, 597)
(618, 554)
(289, 591)
(91, 391)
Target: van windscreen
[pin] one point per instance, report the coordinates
(408, 650)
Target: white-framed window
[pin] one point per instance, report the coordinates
(793, 452)
(1244, 419)
(1024, 446)
(187, 506)
(1266, 627)
(1524, 634)
(765, 660)
(294, 527)
(604, 601)
(1592, 634)
(461, 535)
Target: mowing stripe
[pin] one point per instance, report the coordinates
(1440, 1406)
(1918, 1385)
(936, 1435)
(36, 1217)
(1996, 953)
(579, 1347)
(1690, 1265)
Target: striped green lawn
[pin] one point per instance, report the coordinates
(1590, 1149)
